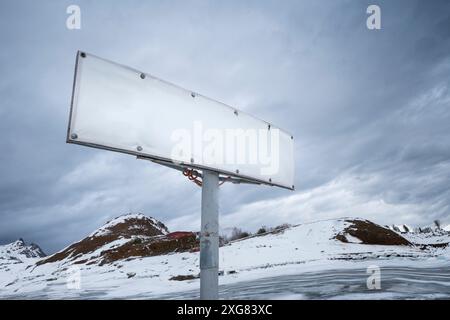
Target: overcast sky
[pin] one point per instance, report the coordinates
(370, 110)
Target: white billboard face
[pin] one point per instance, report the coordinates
(121, 109)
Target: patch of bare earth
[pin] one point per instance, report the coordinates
(154, 246)
(185, 277)
(370, 233)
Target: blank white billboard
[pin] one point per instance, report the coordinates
(122, 109)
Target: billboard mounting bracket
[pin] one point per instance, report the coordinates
(181, 168)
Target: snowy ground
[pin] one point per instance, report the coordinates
(306, 252)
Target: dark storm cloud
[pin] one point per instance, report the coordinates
(369, 109)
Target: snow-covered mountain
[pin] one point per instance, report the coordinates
(17, 256)
(402, 228)
(134, 256)
(18, 252)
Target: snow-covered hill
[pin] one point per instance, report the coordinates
(126, 236)
(136, 256)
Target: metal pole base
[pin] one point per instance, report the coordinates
(209, 237)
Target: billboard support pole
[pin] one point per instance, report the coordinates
(209, 237)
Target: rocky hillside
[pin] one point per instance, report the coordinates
(128, 236)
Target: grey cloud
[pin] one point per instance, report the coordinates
(367, 104)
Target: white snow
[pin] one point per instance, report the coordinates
(352, 239)
(302, 248)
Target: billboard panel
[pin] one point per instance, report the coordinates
(118, 108)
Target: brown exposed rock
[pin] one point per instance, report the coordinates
(434, 245)
(184, 277)
(150, 247)
(371, 233)
(341, 237)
